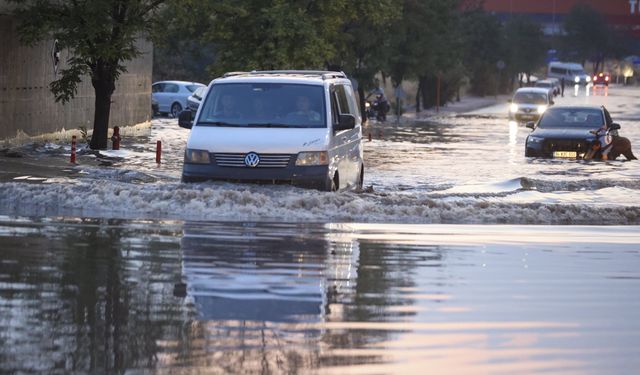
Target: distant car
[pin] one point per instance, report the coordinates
(564, 132)
(193, 101)
(547, 84)
(528, 103)
(601, 79)
(172, 95)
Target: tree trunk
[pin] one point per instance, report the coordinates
(103, 81)
(418, 98)
(363, 109)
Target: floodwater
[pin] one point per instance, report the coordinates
(127, 296)
(114, 266)
(452, 169)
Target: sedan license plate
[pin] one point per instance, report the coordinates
(565, 154)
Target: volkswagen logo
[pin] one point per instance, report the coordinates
(252, 160)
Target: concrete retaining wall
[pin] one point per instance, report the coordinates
(27, 106)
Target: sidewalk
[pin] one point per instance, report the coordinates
(466, 104)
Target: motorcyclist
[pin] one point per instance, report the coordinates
(381, 106)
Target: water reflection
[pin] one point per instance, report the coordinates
(110, 296)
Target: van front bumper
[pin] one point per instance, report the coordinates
(316, 177)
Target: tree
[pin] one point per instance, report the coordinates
(362, 40)
(100, 36)
(587, 34)
(524, 46)
(482, 48)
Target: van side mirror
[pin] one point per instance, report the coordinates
(185, 120)
(509, 101)
(345, 122)
(530, 124)
(614, 126)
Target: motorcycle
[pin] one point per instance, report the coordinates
(377, 109)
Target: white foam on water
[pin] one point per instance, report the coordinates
(215, 201)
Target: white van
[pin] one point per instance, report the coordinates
(296, 127)
(571, 72)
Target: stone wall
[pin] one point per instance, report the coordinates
(27, 106)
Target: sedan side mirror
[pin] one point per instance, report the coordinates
(346, 122)
(551, 102)
(185, 120)
(530, 124)
(614, 126)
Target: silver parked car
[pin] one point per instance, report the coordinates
(171, 96)
(193, 101)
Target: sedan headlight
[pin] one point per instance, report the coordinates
(513, 107)
(312, 158)
(196, 156)
(577, 79)
(533, 139)
(542, 108)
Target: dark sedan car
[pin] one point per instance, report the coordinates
(564, 132)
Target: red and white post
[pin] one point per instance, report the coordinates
(73, 149)
(158, 151)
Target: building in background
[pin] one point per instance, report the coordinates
(27, 106)
(621, 15)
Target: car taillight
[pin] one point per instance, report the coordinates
(606, 78)
(595, 77)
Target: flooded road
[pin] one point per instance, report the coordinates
(468, 168)
(116, 296)
(115, 266)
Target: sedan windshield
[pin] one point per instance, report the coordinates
(572, 118)
(530, 98)
(264, 105)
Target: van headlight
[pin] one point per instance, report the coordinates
(312, 158)
(576, 80)
(542, 108)
(513, 107)
(588, 79)
(196, 156)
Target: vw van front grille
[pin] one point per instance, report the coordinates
(266, 160)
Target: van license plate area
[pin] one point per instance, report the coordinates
(565, 154)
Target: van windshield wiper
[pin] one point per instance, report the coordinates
(271, 125)
(220, 123)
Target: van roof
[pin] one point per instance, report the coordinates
(317, 77)
(558, 64)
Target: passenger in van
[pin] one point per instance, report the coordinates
(229, 109)
(304, 113)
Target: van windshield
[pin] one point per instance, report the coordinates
(264, 105)
(578, 72)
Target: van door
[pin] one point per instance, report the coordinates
(346, 143)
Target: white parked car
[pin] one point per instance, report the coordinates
(171, 96)
(295, 127)
(529, 103)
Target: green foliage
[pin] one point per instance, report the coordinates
(524, 44)
(587, 32)
(482, 49)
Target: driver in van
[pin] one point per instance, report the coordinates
(304, 111)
